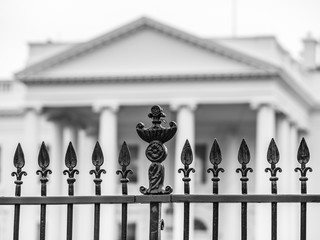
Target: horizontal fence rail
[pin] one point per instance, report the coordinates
(174, 198)
(155, 195)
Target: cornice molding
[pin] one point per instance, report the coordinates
(149, 78)
(142, 23)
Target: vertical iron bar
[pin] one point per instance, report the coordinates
(124, 161)
(70, 162)
(244, 159)
(215, 215)
(70, 214)
(303, 157)
(18, 162)
(186, 221)
(303, 211)
(96, 234)
(124, 210)
(274, 209)
(215, 158)
(97, 161)
(43, 161)
(16, 225)
(155, 221)
(186, 159)
(244, 221)
(273, 157)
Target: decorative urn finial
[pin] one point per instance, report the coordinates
(156, 152)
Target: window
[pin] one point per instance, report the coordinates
(199, 225)
(131, 231)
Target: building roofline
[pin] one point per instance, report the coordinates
(132, 27)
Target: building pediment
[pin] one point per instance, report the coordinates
(142, 48)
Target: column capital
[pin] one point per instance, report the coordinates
(175, 106)
(99, 106)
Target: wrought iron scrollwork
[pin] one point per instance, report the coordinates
(186, 159)
(156, 152)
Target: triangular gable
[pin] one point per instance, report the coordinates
(146, 43)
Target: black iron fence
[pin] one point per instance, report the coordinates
(156, 194)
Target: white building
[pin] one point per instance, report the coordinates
(226, 89)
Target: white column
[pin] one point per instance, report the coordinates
(31, 185)
(265, 130)
(56, 185)
(109, 143)
(85, 187)
(186, 130)
(229, 215)
(287, 181)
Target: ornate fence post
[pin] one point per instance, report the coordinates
(156, 152)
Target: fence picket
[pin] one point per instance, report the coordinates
(244, 159)
(43, 162)
(303, 157)
(97, 161)
(124, 162)
(273, 157)
(18, 162)
(215, 158)
(71, 163)
(186, 159)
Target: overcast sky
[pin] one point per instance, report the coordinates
(23, 21)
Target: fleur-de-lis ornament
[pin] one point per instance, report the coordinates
(124, 161)
(244, 159)
(215, 158)
(18, 162)
(71, 163)
(186, 159)
(273, 157)
(43, 162)
(303, 157)
(97, 161)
